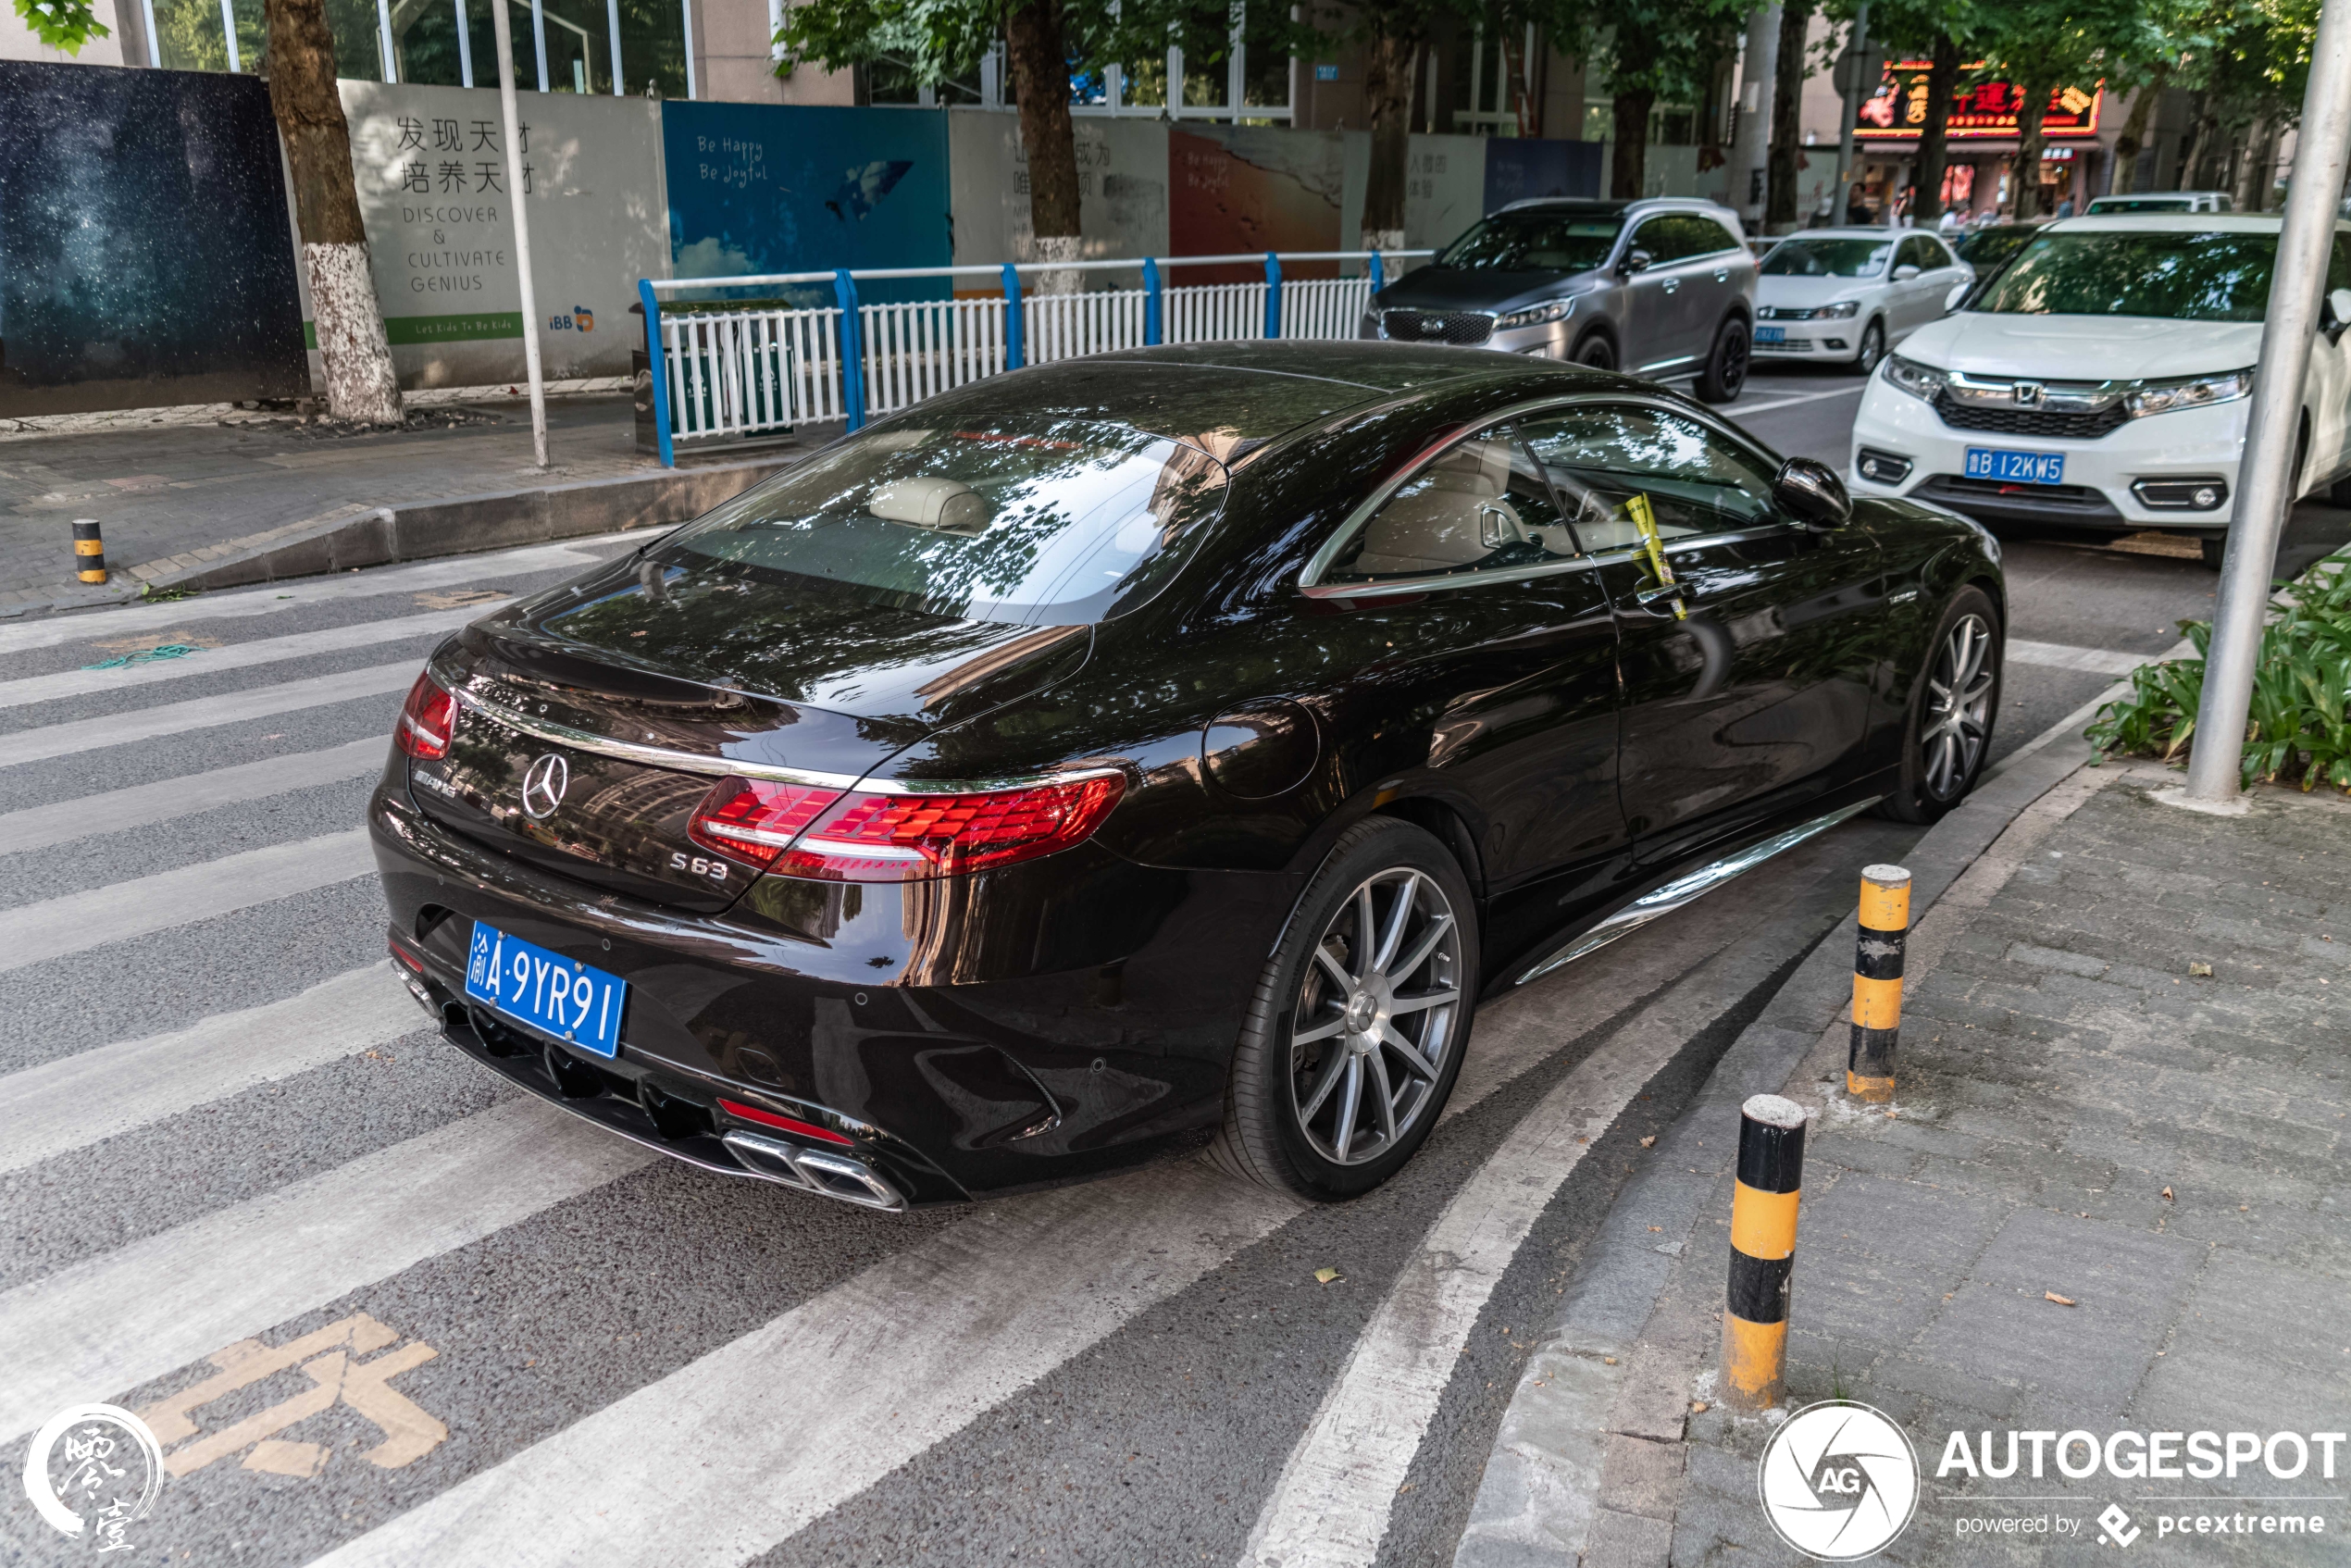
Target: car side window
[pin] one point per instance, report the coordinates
(1696, 480)
(1911, 254)
(1656, 237)
(1708, 237)
(1482, 507)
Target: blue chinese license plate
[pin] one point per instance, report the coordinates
(554, 994)
(2015, 467)
(1770, 334)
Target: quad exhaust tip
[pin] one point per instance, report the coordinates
(812, 1169)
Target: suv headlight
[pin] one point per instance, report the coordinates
(2189, 391)
(1840, 311)
(1537, 315)
(1918, 379)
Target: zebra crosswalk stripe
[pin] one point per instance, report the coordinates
(206, 712)
(163, 800)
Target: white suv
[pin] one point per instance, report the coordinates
(2101, 380)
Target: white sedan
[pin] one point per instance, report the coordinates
(2102, 380)
(1850, 294)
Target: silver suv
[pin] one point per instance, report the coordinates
(1662, 288)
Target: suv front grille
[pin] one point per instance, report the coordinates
(2032, 421)
(1458, 327)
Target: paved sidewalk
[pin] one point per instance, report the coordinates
(2084, 1113)
(176, 498)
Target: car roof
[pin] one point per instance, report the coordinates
(2174, 222)
(1610, 207)
(1853, 232)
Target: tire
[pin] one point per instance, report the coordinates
(1725, 372)
(2339, 492)
(1286, 1100)
(1873, 348)
(1596, 352)
(1942, 759)
(2215, 550)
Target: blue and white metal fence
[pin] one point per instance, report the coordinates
(724, 373)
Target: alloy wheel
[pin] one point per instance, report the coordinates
(1958, 708)
(1374, 1027)
(1873, 348)
(1732, 372)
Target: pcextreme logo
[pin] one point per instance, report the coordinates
(1839, 1481)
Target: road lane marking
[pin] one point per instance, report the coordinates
(110, 1324)
(239, 655)
(970, 1318)
(80, 1100)
(1330, 1508)
(325, 1356)
(207, 712)
(1737, 413)
(143, 805)
(2063, 656)
(34, 933)
(55, 631)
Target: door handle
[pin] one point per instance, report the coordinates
(1671, 284)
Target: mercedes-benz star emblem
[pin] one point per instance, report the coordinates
(543, 786)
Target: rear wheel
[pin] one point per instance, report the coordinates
(1873, 348)
(1356, 1030)
(1596, 352)
(1949, 732)
(2215, 550)
(1726, 371)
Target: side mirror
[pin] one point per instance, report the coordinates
(1959, 292)
(1813, 491)
(1635, 261)
(1904, 272)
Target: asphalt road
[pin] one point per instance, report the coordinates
(381, 1309)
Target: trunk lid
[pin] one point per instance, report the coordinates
(595, 718)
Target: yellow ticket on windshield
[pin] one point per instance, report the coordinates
(1636, 506)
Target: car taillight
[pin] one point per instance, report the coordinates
(869, 837)
(753, 820)
(426, 720)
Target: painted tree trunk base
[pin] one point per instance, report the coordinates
(1056, 248)
(1386, 240)
(361, 384)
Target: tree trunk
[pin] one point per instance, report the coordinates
(361, 384)
(1934, 147)
(2134, 133)
(1040, 76)
(2256, 177)
(2201, 126)
(1787, 115)
(2032, 107)
(1388, 95)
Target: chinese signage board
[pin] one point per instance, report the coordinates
(1980, 110)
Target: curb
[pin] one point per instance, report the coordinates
(352, 536)
(1582, 1409)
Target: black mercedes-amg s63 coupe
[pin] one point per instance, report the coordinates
(1155, 747)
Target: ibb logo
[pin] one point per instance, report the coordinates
(1838, 1481)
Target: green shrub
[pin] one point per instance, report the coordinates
(2297, 727)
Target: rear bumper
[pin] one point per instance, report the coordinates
(995, 1032)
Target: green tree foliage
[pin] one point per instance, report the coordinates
(62, 24)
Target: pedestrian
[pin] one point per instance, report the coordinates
(2065, 208)
(1951, 220)
(1857, 205)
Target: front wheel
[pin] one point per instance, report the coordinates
(1355, 1032)
(1873, 348)
(1949, 732)
(1725, 372)
(1596, 351)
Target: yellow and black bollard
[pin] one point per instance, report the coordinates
(1762, 1251)
(1877, 982)
(89, 551)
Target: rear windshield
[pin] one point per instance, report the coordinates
(1827, 258)
(2178, 274)
(1536, 241)
(2143, 204)
(1043, 519)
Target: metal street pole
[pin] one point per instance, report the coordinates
(505, 33)
(1857, 49)
(2265, 477)
(1751, 137)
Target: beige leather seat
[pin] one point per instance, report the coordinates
(1454, 514)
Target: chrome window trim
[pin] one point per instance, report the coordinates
(1309, 580)
(718, 767)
